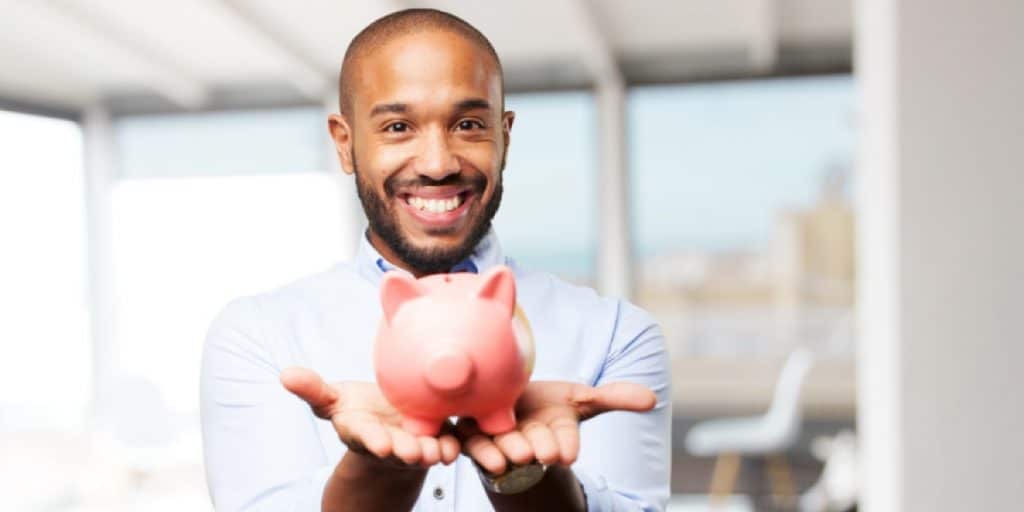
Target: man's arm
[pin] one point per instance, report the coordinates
(261, 445)
(624, 457)
(364, 482)
(384, 466)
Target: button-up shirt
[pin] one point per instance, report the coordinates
(264, 450)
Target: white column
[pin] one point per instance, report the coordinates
(941, 246)
(614, 261)
(98, 139)
(353, 220)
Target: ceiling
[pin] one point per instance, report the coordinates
(143, 55)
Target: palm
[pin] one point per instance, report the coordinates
(549, 403)
(366, 422)
(548, 414)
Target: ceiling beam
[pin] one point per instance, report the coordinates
(597, 53)
(764, 39)
(302, 72)
(159, 72)
(37, 109)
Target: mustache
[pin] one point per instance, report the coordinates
(476, 183)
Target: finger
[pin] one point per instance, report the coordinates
(515, 447)
(405, 446)
(430, 451)
(567, 433)
(483, 450)
(307, 385)
(542, 440)
(615, 396)
(367, 433)
(449, 448)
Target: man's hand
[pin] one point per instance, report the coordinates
(548, 415)
(366, 422)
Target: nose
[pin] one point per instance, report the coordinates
(436, 160)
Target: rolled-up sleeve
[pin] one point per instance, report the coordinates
(625, 458)
(260, 447)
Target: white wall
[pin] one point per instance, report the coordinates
(942, 254)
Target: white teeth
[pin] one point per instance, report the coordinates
(434, 205)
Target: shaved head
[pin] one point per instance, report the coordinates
(397, 24)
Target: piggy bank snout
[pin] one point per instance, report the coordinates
(449, 372)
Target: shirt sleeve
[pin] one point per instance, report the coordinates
(625, 458)
(260, 444)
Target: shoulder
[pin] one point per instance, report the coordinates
(549, 288)
(312, 294)
(311, 291)
(618, 320)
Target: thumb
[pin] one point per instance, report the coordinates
(614, 396)
(307, 385)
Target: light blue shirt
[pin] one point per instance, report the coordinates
(264, 449)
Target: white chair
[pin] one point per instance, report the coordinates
(769, 435)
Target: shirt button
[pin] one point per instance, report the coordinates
(438, 493)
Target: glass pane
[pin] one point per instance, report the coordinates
(241, 142)
(546, 220)
(742, 214)
(184, 247)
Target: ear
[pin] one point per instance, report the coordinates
(506, 128)
(396, 289)
(341, 135)
(499, 285)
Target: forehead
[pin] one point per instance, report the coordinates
(424, 70)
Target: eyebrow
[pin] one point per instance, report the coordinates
(402, 108)
(386, 108)
(472, 104)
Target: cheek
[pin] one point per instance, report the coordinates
(389, 159)
(485, 158)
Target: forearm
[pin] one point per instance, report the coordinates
(558, 490)
(365, 483)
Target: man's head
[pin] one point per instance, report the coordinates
(423, 128)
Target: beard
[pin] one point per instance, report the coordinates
(383, 220)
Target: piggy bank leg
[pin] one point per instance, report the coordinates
(497, 422)
(420, 426)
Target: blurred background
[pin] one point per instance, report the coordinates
(719, 163)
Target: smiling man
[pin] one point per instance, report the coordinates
(424, 131)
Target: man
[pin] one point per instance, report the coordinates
(424, 131)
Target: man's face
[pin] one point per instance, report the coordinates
(427, 139)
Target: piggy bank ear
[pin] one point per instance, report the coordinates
(396, 289)
(499, 285)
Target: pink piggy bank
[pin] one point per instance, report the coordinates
(453, 345)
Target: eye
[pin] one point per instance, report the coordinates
(470, 124)
(397, 127)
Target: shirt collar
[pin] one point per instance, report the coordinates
(487, 254)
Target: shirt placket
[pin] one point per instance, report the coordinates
(441, 490)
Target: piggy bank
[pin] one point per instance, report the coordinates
(453, 345)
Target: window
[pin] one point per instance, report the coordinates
(547, 214)
(211, 207)
(742, 218)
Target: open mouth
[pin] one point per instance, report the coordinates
(437, 207)
(425, 204)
